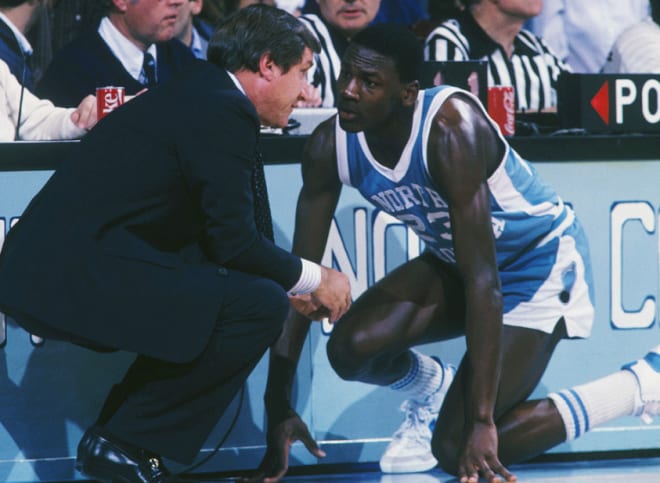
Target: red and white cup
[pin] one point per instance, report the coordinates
(108, 99)
(502, 108)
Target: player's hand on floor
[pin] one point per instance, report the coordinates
(479, 458)
(275, 462)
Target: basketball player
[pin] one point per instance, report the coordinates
(506, 265)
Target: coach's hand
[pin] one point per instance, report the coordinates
(334, 293)
(275, 462)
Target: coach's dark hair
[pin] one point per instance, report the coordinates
(246, 35)
(396, 42)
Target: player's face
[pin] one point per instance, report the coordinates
(349, 16)
(285, 89)
(368, 90)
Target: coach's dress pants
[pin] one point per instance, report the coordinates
(170, 409)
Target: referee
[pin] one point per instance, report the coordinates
(486, 30)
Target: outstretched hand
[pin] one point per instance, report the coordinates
(275, 462)
(479, 457)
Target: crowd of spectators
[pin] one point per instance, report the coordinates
(61, 50)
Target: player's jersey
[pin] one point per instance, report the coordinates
(542, 252)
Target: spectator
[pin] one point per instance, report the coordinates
(133, 47)
(637, 49)
(191, 30)
(582, 32)
(492, 30)
(17, 17)
(72, 18)
(337, 21)
(26, 117)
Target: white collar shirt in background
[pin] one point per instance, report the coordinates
(130, 56)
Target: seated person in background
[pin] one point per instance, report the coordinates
(26, 117)
(582, 32)
(506, 265)
(16, 19)
(133, 48)
(71, 18)
(191, 30)
(336, 23)
(493, 30)
(637, 49)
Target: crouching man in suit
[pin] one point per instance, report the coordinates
(152, 238)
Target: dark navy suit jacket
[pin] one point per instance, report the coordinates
(123, 246)
(87, 63)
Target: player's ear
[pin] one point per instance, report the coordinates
(409, 93)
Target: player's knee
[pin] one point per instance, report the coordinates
(344, 354)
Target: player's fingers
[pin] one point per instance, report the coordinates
(311, 444)
(500, 469)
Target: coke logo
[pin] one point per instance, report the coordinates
(111, 101)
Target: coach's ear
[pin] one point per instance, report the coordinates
(409, 93)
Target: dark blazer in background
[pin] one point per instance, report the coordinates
(87, 63)
(124, 247)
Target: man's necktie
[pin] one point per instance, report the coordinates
(262, 217)
(149, 70)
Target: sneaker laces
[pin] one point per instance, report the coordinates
(416, 424)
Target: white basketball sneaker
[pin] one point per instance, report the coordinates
(647, 372)
(410, 448)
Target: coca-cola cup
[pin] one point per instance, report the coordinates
(108, 99)
(502, 108)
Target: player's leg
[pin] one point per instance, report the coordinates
(525, 356)
(421, 301)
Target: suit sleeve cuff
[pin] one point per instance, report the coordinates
(310, 278)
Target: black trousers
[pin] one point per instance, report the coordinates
(170, 409)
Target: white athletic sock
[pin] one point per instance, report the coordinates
(594, 403)
(424, 377)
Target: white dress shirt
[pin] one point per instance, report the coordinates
(130, 56)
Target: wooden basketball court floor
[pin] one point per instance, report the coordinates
(628, 470)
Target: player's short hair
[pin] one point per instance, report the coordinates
(245, 36)
(396, 42)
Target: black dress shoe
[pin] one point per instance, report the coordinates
(102, 457)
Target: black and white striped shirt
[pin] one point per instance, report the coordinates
(533, 70)
(327, 63)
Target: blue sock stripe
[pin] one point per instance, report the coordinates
(653, 359)
(576, 421)
(408, 378)
(584, 409)
(442, 369)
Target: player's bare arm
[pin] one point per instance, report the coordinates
(316, 205)
(463, 151)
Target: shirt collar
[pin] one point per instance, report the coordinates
(23, 42)
(196, 45)
(130, 56)
(237, 82)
